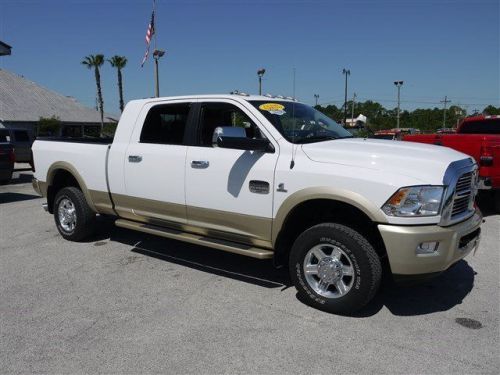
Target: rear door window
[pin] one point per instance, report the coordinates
(481, 127)
(166, 124)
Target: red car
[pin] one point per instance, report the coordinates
(479, 137)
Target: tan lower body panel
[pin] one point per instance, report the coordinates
(101, 201)
(230, 226)
(228, 246)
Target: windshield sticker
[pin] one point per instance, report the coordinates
(273, 108)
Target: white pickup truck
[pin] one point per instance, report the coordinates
(270, 178)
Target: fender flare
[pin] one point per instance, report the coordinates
(324, 192)
(62, 165)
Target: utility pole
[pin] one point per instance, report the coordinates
(316, 97)
(347, 73)
(398, 84)
(260, 73)
(445, 102)
(353, 104)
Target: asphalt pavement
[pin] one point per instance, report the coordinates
(126, 302)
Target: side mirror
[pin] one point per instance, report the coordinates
(235, 138)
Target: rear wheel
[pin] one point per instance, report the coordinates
(334, 268)
(74, 219)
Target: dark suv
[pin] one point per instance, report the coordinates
(21, 141)
(6, 162)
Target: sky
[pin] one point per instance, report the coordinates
(437, 47)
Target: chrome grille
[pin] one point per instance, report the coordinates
(464, 195)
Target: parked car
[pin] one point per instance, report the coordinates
(20, 140)
(394, 134)
(270, 178)
(391, 135)
(479, 137)
(6, 162)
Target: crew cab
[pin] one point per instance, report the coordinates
(479, 137)
(270, 178)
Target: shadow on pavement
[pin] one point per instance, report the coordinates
(9, 197)
(23, 178)
(485, 201)
(238, 267)
(439, 294)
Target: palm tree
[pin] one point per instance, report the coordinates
(96, 61)
(119, 63)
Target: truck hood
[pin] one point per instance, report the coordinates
(425, 163)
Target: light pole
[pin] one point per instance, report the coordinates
(316, 97)
(353, 104)
(398, 84)
(157, 54)
(260, 73)
(347, 73)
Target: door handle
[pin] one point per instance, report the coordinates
(134, 158)
(199, 164)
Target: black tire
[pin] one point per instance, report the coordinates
(5, 181)
(361, 255)
(85, 217)
(496, 200)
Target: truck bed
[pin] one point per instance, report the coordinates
(85, 156)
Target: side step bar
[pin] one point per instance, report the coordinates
(231, 247)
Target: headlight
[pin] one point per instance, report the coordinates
(415, 201)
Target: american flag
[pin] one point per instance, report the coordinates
(149, 36)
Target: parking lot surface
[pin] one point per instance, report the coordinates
(127, 302)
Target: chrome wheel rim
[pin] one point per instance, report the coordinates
(329, 271)
(67, 215)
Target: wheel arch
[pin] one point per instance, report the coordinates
(62, 174)
(309, 207)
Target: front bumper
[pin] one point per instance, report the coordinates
(455, 242)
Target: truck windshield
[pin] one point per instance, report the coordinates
(481, 127)
(300, 123)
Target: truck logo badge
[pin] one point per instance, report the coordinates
(281, 188)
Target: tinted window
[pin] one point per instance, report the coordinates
(4, 136)
(21, 136)
(71, 131)
(165, 124)
(481, 127)
(214, 115)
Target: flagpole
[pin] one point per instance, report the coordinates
(155, 55)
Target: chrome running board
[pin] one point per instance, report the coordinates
(231, 247)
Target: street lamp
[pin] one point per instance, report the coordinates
(260, 73)
(316, 97)
(346, 72)
(398, 84)
(157, 54)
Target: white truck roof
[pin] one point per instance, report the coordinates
(218, 96)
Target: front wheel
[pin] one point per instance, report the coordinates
(334, 268)
(74, 219)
